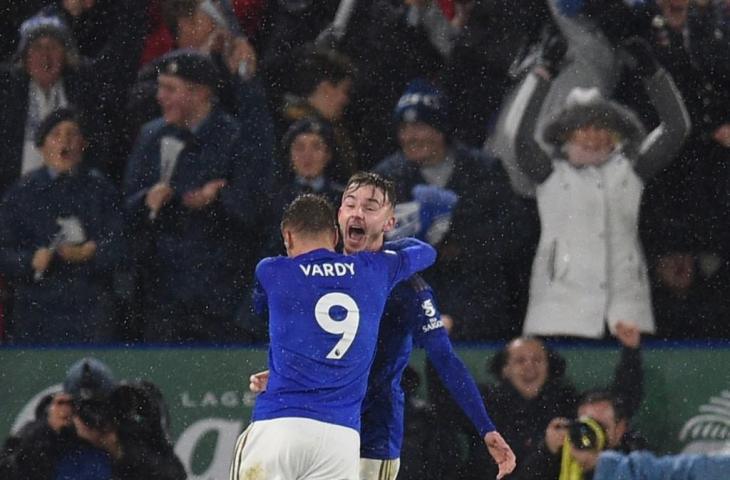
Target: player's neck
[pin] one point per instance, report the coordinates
(303, 246)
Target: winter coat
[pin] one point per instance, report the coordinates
(639, 465)
(69, 303)
(589, 269)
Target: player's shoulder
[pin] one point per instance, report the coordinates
(267, 263)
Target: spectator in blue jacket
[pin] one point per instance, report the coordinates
(191, 196)
(60, 242)
(459, 201)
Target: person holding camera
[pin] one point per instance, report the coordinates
(94, 429)
(571, 447)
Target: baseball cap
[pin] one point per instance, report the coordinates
(190, 65)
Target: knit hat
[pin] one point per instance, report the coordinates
(190, 65)
(89, 378)
(423, 102)
(309, 125)
(46, 26)
(585, 107)
(53, 119)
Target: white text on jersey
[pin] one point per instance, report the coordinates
(336, 269)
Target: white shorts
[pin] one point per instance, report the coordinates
(372, 469)
(296, 448)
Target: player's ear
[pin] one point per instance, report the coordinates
(287, 237)
(390, 223)
(335, 236)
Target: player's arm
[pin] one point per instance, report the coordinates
(456, 377)
(413, 255)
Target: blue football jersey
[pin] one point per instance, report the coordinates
(324, 312)
(411, 318)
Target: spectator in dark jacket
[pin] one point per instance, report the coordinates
(193, 200)
(47, 73)
(461, 202)
(60, 242)
(532, 390)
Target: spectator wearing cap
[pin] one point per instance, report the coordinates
(61, 239)
(46, 73)
(64, 441)
(321, 89)
(193, 200)
(309, 150)
(460, 201)
(211, 28)
(95, 428)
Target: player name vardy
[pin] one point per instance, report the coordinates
(336, 269)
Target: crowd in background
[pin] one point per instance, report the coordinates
(148, 147)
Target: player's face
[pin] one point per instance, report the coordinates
(63, 147)
(526, 367)
(364, 216)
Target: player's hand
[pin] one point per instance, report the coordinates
(628, 334)
(258, 381)
(501, 453)
(555, 433)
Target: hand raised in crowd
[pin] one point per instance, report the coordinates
(41, 259)
(555, 433)
(204, 196)
(501, 453)
(258, 381)
(60, 412)
(237, 52)
(77, 253)
(628, 334)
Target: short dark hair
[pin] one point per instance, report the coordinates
(309, 214)
(596, 395)
(322, 64)
(364, 179)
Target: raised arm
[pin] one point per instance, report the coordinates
(531, 158)
(429, 332)
(660, 147)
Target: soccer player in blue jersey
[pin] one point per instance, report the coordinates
(411, 316)
(324, 311)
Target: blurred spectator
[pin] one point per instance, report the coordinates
(47, 73)
(323, 81)
(532, 389)
(96, 429)
(496, 36)
(309, 147)
(460, 202)
(589, 271)
(193, 201)
(61, 240)
(572, 445)
(208, 27)
(640, 465)
(14, 13)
